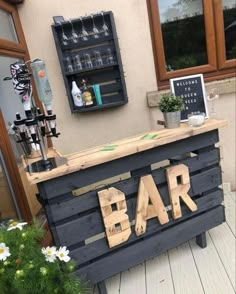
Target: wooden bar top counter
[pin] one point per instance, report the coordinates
(129, 207)
(124, 147)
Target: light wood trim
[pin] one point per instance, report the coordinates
(5, 44)
(177, 191)
(30, 192)
(10, 53)
(12, 169)
(8, 45)
(125, 147)
(220, 37)
(210, 33)
(145, 211)
(107, 197)
(157, 40)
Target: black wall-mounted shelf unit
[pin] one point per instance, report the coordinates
(88, 49)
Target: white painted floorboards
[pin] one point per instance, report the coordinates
(187, 269)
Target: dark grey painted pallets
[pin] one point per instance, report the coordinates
(76, 222)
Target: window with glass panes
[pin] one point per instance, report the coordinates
(193, 36)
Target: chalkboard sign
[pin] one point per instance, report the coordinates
(192, 90)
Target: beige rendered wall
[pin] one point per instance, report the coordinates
(81, 131)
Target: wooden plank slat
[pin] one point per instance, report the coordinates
(158, 275)
(224, 242)
(177, 190)
(141, 209)
(112, 97)
(70, 233)
(75, 205)
(100, 247)
(133, 280)
(163, 137)
(184, 272)
(145, 211)
(212, 273)
(113, 284)
(61, 185)
(111, 88)
(115, 235)
(150, 247)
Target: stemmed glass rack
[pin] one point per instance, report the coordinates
(88, 49)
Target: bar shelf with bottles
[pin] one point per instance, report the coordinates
(88, 50)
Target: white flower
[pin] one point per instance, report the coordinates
(62, 254)
(50, 253)
(4, 251)
(16, 225)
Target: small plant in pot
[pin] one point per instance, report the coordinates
(171, 107)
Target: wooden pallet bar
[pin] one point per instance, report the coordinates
(115, 205)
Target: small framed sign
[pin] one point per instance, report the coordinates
(192, 90)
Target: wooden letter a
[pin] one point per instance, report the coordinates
(148, 191)
(179, 188)
(116, 222)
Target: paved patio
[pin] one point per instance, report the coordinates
(187, 268)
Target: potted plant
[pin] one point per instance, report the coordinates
(26, 268)
(171, 107)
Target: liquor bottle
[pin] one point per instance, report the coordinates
(86, 95)
(42, 83)
(77, 95)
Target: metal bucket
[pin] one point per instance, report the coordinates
(172, 119)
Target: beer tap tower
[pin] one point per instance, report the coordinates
(32, 132)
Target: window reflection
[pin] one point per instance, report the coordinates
(7, 28)
(183, 31)
(10, 103)
(229, 12)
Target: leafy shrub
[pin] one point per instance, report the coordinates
(171, 103)
(26, 268)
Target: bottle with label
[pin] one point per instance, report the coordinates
(42, 83)
(86, 95)
(77, 95)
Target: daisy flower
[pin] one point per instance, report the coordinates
(4, 251)
(62, 254)
(50, 253)
(15, 225)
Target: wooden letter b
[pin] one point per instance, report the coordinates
(116, 222)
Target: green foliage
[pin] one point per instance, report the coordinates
(171, 103)
(26, 270)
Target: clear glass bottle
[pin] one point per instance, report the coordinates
(77, 95)
(42, 82)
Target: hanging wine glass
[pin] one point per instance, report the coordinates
(104, 25)
(94, 29)
(64, 37)
(74, 35)
(84, 33)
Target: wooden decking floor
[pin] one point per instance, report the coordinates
(187, 269)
